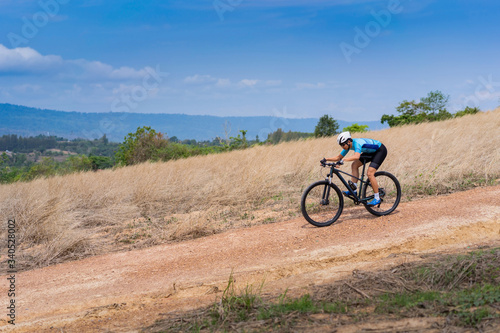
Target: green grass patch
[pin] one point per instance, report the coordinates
(396, 303)
(462, 289)
(304, 304)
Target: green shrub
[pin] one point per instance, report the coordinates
(466, 111)
(355, 128)
(141, 146)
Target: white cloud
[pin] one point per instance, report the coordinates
(27, 88)
(331, 107)
(266, 3)
(209, 81)
(273, 83)
(99, 70)
(26, 60)
(199, 79)
(302, 85)
(248, 83)
(223, 83)
(122, 89)
(74, 90)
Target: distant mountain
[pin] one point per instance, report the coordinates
(27, 121)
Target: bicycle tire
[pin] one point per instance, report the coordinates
(318, 212)
(390, 194)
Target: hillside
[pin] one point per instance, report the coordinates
(26, 121)
(150, 235)
(74, 216)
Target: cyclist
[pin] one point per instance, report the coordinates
(373, 149)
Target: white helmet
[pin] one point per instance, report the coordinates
(343, 137)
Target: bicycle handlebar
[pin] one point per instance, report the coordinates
(324, 164)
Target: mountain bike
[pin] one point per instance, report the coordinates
(322, 202)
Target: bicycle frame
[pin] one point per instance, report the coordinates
(357, 200)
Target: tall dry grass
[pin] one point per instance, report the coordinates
(68, 217)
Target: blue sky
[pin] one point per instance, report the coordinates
(354, 60)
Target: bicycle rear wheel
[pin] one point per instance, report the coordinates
(389, 191)
(322, 203)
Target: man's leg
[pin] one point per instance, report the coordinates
(355, 170)
(373, 180)
(377, 160)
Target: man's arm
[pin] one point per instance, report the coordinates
(354, 157)
(334, 159)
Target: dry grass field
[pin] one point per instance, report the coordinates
(70, 217)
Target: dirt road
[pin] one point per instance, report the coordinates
(124, 292)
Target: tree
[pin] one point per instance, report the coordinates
(356, 128)
(280, 136)
(276, 136)
(47, 167)
(104, 139)
(239, 142)
(435, 102)
(141, 146)
(430, 108)
(79, 163)
(327, 126)
(100, 162)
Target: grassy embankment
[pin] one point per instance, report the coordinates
(444, 293)
(73, 216)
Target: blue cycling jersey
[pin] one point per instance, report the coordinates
(367, 146)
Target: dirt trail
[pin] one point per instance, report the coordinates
(124, 292)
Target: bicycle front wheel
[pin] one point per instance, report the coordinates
(389, 191)
(322, 203)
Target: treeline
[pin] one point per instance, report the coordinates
(281, 136)
(148, 145)
(27, 158)
(25, 145)
(42, 143)
(427, 109)
(19, 169)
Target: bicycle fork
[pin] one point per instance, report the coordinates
(326, 193)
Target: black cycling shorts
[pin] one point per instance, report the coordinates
(377, 157)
